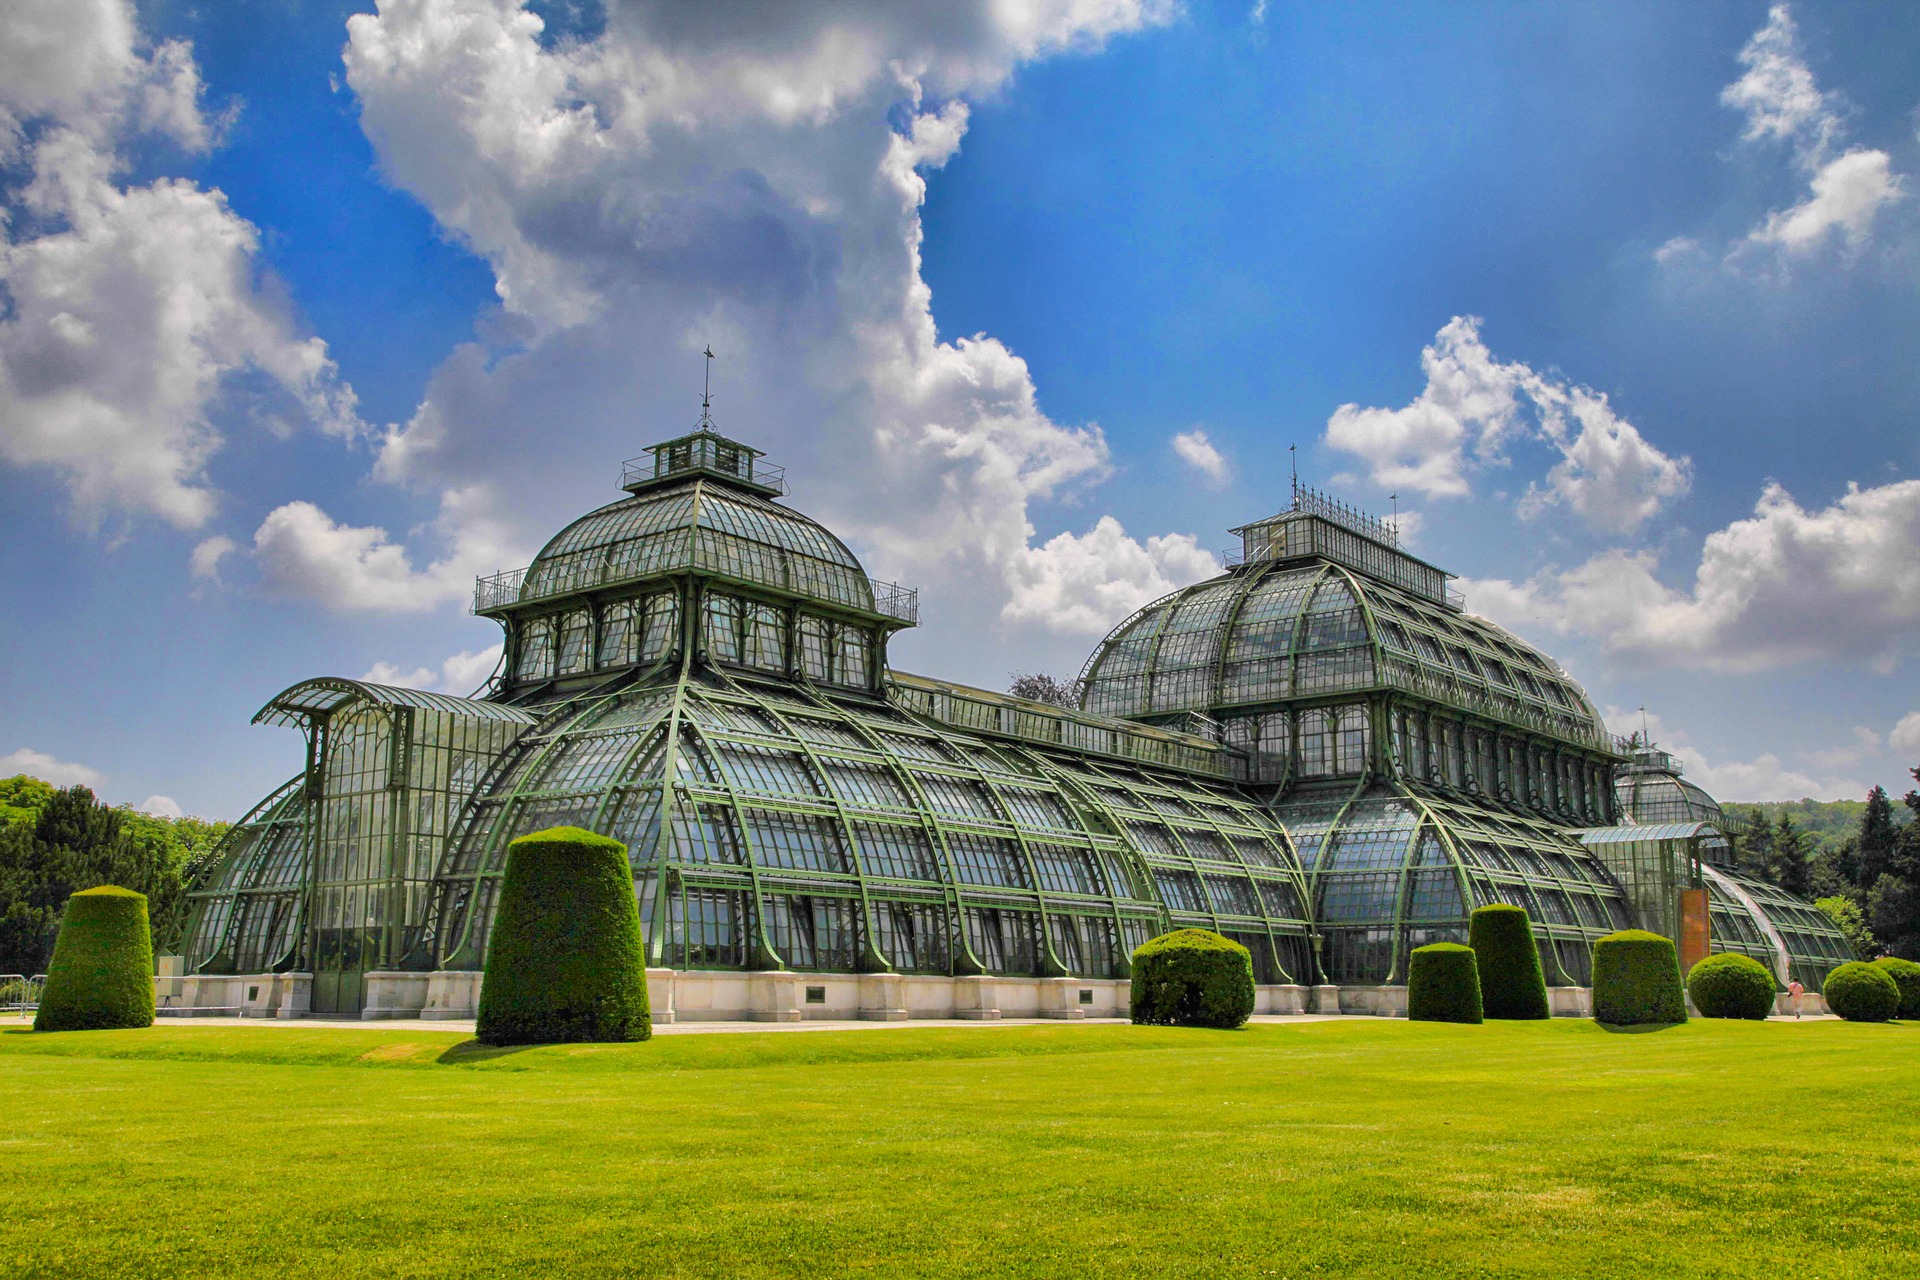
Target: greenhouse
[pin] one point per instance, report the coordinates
(1317, 753)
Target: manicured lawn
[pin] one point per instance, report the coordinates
(1325, 1149)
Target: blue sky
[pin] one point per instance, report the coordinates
(308, 320)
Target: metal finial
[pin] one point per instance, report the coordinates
(706, 394)
(1293, 455)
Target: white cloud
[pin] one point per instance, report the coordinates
(132, 308)
(1084, 583)
(207, 555)
(1784, 105)
(463, 672)
(1777, 92)
(1473, 406)
(1783, 586)
(1847, 194)
(746, 175)
(61, 773)
(1676, 249)
(460, 674)
(1199, 453)
(303, 552)
(395, 677)
(161, 807)
(1906, 734)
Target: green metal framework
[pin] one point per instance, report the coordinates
(1316, 753)
(776, 826)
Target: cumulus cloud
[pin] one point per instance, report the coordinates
(1199, 453)
(303, 552)
(750, 176)
(161, 807)
(460, 674)
(1848, 192)
(61, 773)
(1783, 586)
(131, 308)
(1784, 106)
(1473, 406)
(1906, 734)
(1084, 583)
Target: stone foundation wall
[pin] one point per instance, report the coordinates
(702, 995)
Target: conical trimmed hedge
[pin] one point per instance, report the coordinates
(101, 974)
(1906, 976)
(565, 962)
(1731, 985)
(1443, 984)
(1511, 983)
(1192, 978)
(1862, 992)
(1636, 980)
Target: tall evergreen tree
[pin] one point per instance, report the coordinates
(1753, 847)
(1788, 858)
(1875, 845)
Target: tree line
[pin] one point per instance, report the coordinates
(55, 842)
(1867, 880)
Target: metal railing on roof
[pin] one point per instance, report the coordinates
(753, 470)
(1363, 523)
(896, 601)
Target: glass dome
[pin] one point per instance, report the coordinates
(702, 524)
(1273, 632)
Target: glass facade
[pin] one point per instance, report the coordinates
(1316, 753)
(771, 829)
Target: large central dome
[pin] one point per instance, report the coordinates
(702, 524)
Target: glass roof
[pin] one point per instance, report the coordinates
(1267, 633)
(875, 821)
(701, 524)
(320, 697)
(1392, 870)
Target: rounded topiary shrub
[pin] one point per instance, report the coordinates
(1861, 992)
(1636, 980)
(1906, 976)
(101, 974)
(1511, 983)
(1192, 978)
(1731, 986)
(1443, 984)
(565, 962)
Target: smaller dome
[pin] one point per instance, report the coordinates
(1650, 791)
(1271, 632)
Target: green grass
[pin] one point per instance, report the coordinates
(1318, 1149)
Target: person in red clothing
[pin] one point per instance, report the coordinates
(1795, 990)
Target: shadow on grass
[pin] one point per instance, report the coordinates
(468, 1051)
(1637, 1028)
